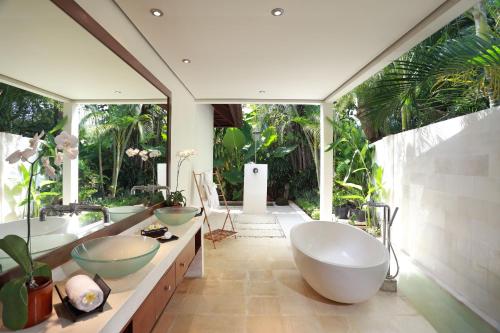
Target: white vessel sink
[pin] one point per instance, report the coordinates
(52, 225)
(40, 245)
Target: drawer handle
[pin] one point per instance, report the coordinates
(181, 264)
(167, 288)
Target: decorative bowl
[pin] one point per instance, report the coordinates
(175, 215)
(119, 213)
(115, 256)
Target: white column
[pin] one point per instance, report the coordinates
(326, 163)
(70, 167)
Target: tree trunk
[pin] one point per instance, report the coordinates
(101, 177)
(371, 132)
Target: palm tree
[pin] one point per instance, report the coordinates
(118, 122)
(123, 121)
(93, 122)
(453, 72)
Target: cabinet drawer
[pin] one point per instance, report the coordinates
(166, 288)
(183, 261)
(145, 317)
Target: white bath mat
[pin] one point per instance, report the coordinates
(257, 226)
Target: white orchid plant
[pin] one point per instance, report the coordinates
(176, 198)
(14, 293)
(66, 145)
(145, 154)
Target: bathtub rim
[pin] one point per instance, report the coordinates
(328, 262)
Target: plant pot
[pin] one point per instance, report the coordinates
(341, 212)
(358, 214)
(39, 301)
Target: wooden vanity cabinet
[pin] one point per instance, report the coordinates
(151, 309)
(184, 260)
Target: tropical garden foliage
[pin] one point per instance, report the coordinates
(109, 137)
(454, 72)
(286, 137)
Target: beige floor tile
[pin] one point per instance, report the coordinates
(234, 274)
(258, 288)
(217, 287)
(302, 324)
(412, 324)
(208, 324)
(295, 305)
(286, 264)
(260, 275)
(334, 324)
(263, 305)
(264, 324)
(164, 323)
(362, 323)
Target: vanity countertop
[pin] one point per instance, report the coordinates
(127, 293)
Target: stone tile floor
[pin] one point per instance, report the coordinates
(252, 285)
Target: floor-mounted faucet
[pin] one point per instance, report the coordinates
(386, 232)
(74, 208)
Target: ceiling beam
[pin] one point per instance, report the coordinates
(75, 11)
(258, 101)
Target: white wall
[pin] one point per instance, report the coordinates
(192, 124)
(445, 178)
(10, 176)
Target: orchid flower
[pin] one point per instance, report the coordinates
(59, 158)
(27, 153)
(132, 152)
(154, 153)
(14, 157)
(68, 144)
(49, 169)
(36, 138)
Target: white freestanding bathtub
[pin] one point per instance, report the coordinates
(339, 261)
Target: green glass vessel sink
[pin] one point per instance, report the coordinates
(175, 215)
(115, 256)
(119, 213)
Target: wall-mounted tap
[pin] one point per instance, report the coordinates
(74, 208)
(149, 188)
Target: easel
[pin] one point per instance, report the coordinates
(225, 233)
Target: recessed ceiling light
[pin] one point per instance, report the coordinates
(262, 91)
(186, 61)
(156, 12)
(277, 11)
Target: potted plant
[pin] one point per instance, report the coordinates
(27, 300)
(176, 198)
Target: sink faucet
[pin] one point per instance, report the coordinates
(149, 188)
(74, 208)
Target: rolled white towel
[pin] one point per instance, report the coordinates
(83, 293)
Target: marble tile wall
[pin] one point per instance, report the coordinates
(445, 178)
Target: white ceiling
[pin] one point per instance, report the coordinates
(238, 48)
(45, 48)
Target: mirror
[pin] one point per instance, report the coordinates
(56, 76)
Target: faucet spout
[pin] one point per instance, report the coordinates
(74, 208)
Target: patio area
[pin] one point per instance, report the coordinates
(252, 285)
